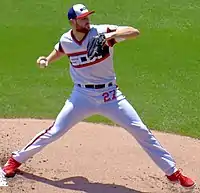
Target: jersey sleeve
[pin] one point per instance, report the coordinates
(58, 47)
(106, 28)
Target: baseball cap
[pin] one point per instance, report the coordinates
(78, 11)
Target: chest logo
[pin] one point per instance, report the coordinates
(80, 59)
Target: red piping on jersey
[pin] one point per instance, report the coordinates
(111, 42)
(77, 53)
(77, 41)
(39, 137)
(92, 63)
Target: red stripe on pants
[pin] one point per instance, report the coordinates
(39, 137)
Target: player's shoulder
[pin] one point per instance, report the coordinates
(102, 28)
(66, 36)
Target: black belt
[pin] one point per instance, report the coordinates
(95, 86)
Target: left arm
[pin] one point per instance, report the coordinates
(123, 33)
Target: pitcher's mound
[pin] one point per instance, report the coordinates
(93, 158)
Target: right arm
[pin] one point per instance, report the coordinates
(53, 56)
(56, 54)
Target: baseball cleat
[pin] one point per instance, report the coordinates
(10, 168)
(184, 181)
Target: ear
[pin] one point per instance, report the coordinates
(72, 22)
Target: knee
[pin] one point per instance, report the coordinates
(140, 130)
(54, 132)
(139, 125)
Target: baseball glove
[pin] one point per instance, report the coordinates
(95, 46)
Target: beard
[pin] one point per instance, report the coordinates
(82, 29)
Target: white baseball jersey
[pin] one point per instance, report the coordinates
(100, 69)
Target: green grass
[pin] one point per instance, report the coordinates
(158, 72)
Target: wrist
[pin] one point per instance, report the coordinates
(47, 59)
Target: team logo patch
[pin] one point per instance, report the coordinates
(82, 9)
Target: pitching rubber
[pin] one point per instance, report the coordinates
(3, 181)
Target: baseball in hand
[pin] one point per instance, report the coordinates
(43, 63)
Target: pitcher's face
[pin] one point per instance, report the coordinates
(82, 24)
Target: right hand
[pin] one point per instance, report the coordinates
(42, 62)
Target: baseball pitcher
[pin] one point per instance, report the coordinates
(90, 52)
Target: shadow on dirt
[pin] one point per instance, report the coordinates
(80, 183)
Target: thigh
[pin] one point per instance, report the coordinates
(76, 108)
(121, 112)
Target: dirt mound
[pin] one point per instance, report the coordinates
(93, 158)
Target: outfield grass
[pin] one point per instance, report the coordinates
(158, 72)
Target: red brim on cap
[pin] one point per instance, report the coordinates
(85, 14)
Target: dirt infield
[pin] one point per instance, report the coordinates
(93, 158)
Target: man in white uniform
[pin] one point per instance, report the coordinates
(95, 92)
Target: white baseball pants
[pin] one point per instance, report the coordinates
(110, 103)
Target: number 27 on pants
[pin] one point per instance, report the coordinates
(109, 96)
